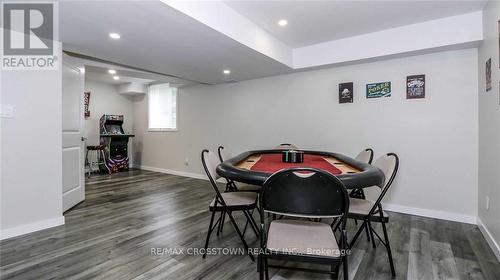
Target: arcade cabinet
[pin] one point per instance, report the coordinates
(115, 141)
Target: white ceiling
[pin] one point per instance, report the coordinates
(101, 75)
(158, 38)
(312, 22)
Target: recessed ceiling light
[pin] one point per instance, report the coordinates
(227, 72)
(282, 22)
(112, 71)
(116, 78)
(114, 35)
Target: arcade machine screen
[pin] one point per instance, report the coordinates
(114, 129)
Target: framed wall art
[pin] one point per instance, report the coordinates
(86, 104)
(415, 87)
(346, 92)
(376, 90)
(488, 74)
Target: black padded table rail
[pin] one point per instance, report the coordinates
(367, 175)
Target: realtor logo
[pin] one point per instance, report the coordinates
(28, 36)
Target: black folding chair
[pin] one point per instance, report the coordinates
(365, 156)
(371, 211)
(227, 202)
(232, 187)
(230, 184)
(303, 193)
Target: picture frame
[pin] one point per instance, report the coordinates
(380, 89)
(346, 92)
(86, 104)
(415, 86)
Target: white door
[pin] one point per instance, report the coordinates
(73, 150)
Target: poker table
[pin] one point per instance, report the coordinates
(254, 167)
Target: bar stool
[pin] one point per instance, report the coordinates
(94, 158)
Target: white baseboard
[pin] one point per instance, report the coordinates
(29, 228)
(436, 214)
(489, 238)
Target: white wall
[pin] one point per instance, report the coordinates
(436, 138)
(31, 163)
(489, 128)
(105, 99)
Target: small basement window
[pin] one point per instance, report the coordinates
(162, 108)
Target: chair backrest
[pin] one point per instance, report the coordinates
(365, 156)
(389, 164)
(304, 192)
(210, 162)
(223, 154)
(288, 146)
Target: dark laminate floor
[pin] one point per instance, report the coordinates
(111, 234)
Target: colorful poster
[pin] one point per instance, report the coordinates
(86, 103)
(415, 86)
(488, 74)
(346, 93)
(376, 90)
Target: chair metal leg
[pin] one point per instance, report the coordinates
(260, 268)
(221, 223)
(344, 258)
(367, 233)
(241, 236)
(235, 188)
(252, 222)
(346, 268)
(353, 241)
(266, 268)
(87, 162)
(370, 229)
(91, 162)
(334, 221)
(357, 193)
(246, 224)
(336, 227)
(208, 233)
(95, 158)
(334, 270)
(389, 253)
(256, 227)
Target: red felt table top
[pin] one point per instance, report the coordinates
(271, 163)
